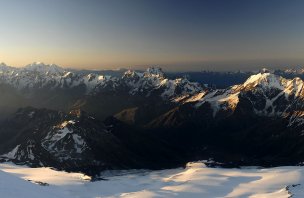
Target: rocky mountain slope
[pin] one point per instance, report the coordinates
(78, 142)
(257, 122)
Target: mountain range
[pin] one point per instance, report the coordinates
(80, 121)
(52, 87)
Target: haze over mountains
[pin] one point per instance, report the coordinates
(80, 121)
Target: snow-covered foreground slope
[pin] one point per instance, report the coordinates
(196, 180)
(14, 187)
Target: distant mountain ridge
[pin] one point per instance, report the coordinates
(218, 79)
(38, 76)
(50, 86)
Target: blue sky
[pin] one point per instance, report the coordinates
(177, 35)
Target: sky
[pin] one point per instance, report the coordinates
(174, 34)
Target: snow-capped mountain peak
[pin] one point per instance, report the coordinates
(131, 74)
(270, 81)
(153, 80)
(4, 67)
(267, 93)
(295, 70)
(42, 68)
(265, 80)
(155, 72)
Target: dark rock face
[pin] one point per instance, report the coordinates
(78, 142)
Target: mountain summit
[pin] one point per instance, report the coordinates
(45, 69)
